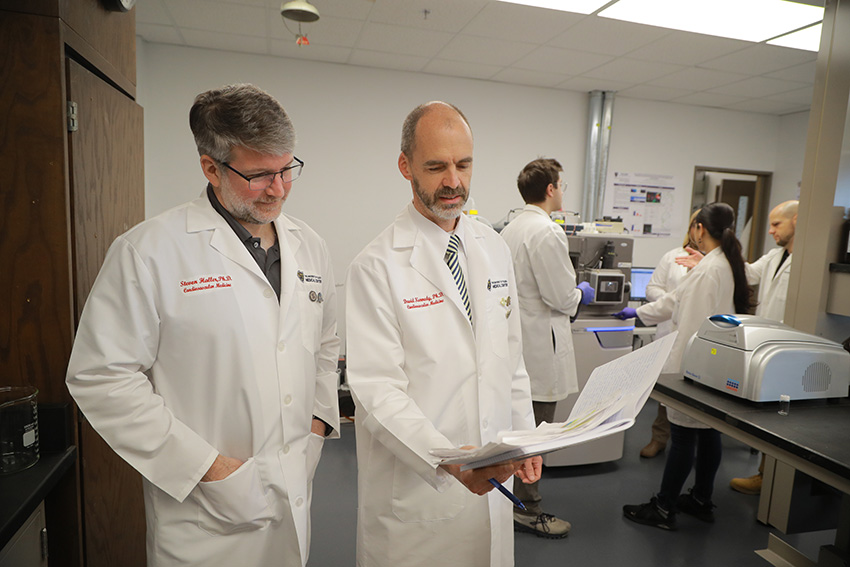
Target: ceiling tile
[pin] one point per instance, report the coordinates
(686, 48)
(443, 15)
(483, 39)
(632, 70)
(529, 78)
(152, 12)
(159, 34)
(651, 92)
(716, 100)
(529, 24)
(383, 60)
(757, 87)
(484, 50)
(800, 96)
(337, 8)
(586, 84)
(225, 41)
(766, 106)
(804, 73)
(397, 39)
(250, 2)
(557, 60)
(606, 36)
(696, 79)
(218, 17)
(461, 69)
(760, 59)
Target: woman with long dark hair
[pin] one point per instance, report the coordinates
(718, 284)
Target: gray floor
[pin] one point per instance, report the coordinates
(591, 498)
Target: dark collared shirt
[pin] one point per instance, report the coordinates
(268, 261)
(785, 255)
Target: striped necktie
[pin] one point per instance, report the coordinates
(457, 273)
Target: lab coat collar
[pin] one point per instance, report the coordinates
(201, 216)
(429, 242)
(536, 210)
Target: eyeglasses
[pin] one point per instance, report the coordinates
(263, 181)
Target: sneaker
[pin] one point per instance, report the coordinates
(749, 485)
(542, 525)
(651, 514)
(691, 505)
(652, 449)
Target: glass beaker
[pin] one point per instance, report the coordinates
(18, 428)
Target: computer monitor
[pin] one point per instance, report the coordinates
(640, 277)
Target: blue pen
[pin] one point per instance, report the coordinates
(517, 502)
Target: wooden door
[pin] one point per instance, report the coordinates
(741, 196)
(107, 198)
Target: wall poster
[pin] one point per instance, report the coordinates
(645, 202)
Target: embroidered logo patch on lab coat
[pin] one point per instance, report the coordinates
(309, 278)
(206, 283)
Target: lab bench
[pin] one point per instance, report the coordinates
(807, 466)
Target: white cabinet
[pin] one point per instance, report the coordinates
(28, 547)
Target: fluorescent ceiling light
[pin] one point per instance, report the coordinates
(808, 39)
(749, 20)
(577, 6)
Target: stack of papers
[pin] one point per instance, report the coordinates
(609, 403)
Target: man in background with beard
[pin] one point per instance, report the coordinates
(434, 355)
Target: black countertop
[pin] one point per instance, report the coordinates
(815, 430)
(21, 492)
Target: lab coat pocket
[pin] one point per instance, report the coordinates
(314, 453)
(414, 500)
(234, 504)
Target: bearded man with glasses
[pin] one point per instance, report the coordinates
(206, 353)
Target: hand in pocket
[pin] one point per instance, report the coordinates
(235, 504)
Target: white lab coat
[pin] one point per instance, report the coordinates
(184, 352)
(706, 290)
(422, 378)
(546, 285)
(773, 289)
(666, 277)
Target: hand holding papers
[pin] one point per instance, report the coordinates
(610, 401)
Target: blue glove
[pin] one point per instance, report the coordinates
(588, 294)
(627, 313)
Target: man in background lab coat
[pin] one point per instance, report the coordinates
(548, 297)
(206, 353)
(434, 361)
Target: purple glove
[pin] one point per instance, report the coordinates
(588, 294)
(627, 313)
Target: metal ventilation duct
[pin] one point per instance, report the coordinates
(599, 120)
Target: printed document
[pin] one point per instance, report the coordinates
(610, 401)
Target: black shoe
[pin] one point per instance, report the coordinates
(690, 505)
(651, 514)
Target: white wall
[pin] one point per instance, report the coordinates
(349, 122)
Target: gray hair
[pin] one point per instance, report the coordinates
(408, 130)
(240, 115)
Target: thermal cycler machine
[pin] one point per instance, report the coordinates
(760, 359)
